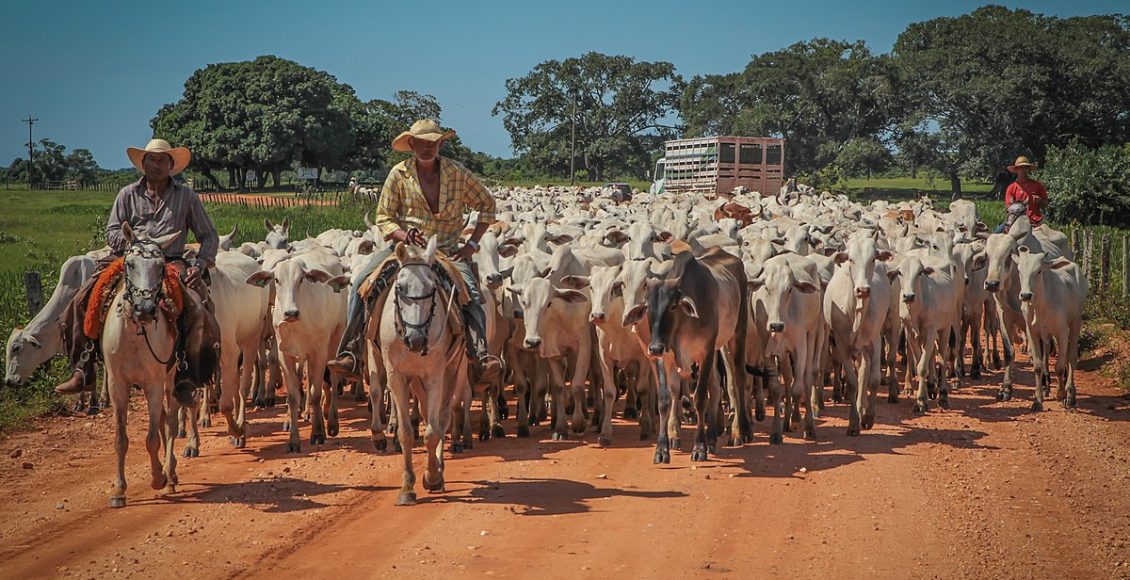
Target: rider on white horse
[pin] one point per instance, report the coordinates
(158, 206)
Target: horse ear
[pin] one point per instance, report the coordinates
(167, 239)
(401, 252)
(430, 251)
(127, 232)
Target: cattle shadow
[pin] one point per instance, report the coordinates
(273, 495)
(547, 496)
(1093, 364)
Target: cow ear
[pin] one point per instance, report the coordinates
(286, 224)
(570, 296)
(260, 278)
(686, 303)
(805, 287)
(662, 268)
(980, 227)
(1056, 264)
(755, 284)
(617, 288)
(338, 282)
(515, 290)
(267, 224)
(892, 274)
(664, 236)
(928, 270)
(828, 250)
(634, 315)
(840, 257)
(559, 239)
(979, 260)
(616, 236)
(166, 239)
(1023, 249)
(884, 255)
(401, 252)
(507, 272)
(507, 250)
(543, 273)
(575, 282)
(366, 247)
(317, 276)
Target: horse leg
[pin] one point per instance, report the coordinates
(376, 397)
(400, 399)
(155, 398)
(170, 426)
(185, 417)
(120, 402)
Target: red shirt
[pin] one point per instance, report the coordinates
(1032, 194)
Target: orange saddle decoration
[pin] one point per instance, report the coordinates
(109, 280)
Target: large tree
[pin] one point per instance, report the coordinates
(985, 87)
(622, 110)
(819, 95)
(267, 114)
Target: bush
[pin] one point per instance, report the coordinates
(1089, 186)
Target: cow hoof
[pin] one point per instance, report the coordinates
(484, 435)
(239, 442)
(498, 431)
(837, 398)
(631, 413)
(975, 374)
(468, 443)
(332, 429)
(456, 447)
(559, 436)
(920, 408)
(380, 444)
(396, 446)
(181, 434)
(809, 435)
(191, 452)
(523, 431)
(406, 498)
(1069, 403)
(676, 443)
(317, 438)
(776, 438)
(1037, 406)
(759, 414)
(93, 410)
(604, 441)
(698, 454)
(867, 423)
(853, 432)
(294, 448)
(736, 441)
(580, 427)
(159, 483)
(892, 399)
(286, 427)
(118, 501)
(206, 422)
(662, 456)
(944, 403)
(503, 412)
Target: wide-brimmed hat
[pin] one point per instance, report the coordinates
(422, 129)
(1021, 161)
(181, 155)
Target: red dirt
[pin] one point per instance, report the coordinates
(986, 490)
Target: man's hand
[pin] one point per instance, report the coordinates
(416, 238)
(464, 253)
(192, 276)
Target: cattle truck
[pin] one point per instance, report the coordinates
(719, 164)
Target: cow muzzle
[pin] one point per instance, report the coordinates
(1025, 296)
(656, 349)
(494, 281)
(908, 298)
(863, 292)
(776, 327)
(532, 342)
(992, 285)
(598, 317)
(290, 315)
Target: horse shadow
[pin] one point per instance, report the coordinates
(273, 495)
(548, 496)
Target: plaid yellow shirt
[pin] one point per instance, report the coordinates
(402, 204)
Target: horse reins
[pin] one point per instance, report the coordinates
(157, 294)
(402, 326)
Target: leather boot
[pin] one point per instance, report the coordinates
(80, 349)
(487, 366)
(347, 365)
(201, 340)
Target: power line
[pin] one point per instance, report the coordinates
(30, 148)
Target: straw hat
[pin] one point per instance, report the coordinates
(422, 129)
(1021, 161)
(181, 155)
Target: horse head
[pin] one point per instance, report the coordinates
(414, 294)
(144, 272)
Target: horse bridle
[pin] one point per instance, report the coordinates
(402, 326)
(142, 248)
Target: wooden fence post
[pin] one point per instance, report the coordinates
(34, 288)
(1075, 242)
(1125, 266)
(1088, 247)
(1104, 262)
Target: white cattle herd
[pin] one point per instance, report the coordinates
(695, 309)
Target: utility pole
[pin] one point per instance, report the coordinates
(573, 144)
(30, 148)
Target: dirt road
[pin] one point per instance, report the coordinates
(986, 490)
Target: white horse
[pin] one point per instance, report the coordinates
(423, 350)
(138, 344)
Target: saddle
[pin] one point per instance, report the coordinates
(110, 281)
(375, 288)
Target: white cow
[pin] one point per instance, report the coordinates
(1052, 294)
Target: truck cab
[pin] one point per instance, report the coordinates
(659, 176)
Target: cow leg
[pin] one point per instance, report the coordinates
(577, 389)
(869, 377)
(1071, 354)
(401, 400)
(853, 373)
(714, 417)
(185, 420)
(608, 398)
(293, 381)
(522, 405)
(777, 400)
(1038, 350)
(557, 384)
(892, 364)
(314, 369)
(645, 389)
(1063, 344)
(230, 397)
(977, 356)
(119, 400)
(333, 424)
(1005, 392)
(806, 358)
(787, 378)
(460, 419)
(741, 428)
(924, 371)
(701, 390)
(945, 351)
(663, 443)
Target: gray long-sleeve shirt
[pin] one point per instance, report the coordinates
(177, 209)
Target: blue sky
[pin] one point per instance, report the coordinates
(94, 73)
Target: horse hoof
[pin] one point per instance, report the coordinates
(294, 448)
(776, 439)
(191, 452)
(118, 501)
(169, 489)
(853, 432)
(523, 431)
(332, 429)
(436, 487)
(759, 414)
(920, 408)
(456, 447)
(662, 456)
(317, 439)
(159, 483)
(1037, 406)
(867, 423)
(604, 441)
(380, 444)
(406, 498)
(498, 432)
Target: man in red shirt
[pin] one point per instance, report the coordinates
(1027, 191)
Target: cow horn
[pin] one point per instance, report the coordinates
(368, 222)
